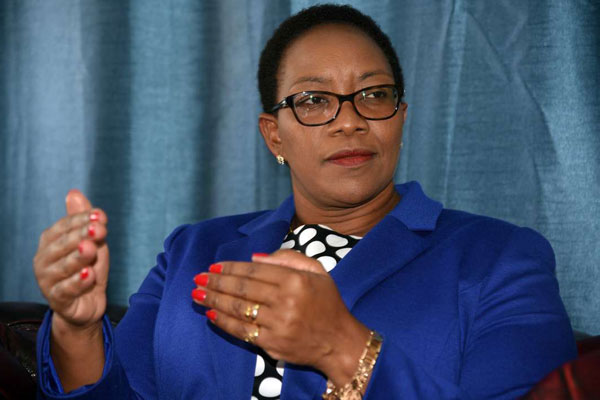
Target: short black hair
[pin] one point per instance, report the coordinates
(298, 24)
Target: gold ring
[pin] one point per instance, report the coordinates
(252, 312)
(251, 337)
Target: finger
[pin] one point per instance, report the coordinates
(87, 250)
(69, 241)
(64, 292)
(69, 223)
(291, 259)
(101, 264)
(268, 273)
(76, 202)
(243, 287)
(238, 328)
(234, 306)
(84, 255)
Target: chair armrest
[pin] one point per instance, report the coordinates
(19, 323)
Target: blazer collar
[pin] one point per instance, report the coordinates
(415, 210)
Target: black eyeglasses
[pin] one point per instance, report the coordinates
(315, 107)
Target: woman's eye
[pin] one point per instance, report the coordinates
(311, 100)
(377, 94)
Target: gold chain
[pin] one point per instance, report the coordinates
(355, 388)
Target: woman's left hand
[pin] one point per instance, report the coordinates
(300, 319)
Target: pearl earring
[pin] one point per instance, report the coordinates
(280, 159)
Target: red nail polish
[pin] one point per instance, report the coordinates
(91, 231)
(80, 248)
(199, 294)
(94, 216)
(201, 279)
(212, 315)
(260, 255)
(215, 268)
(84, 274)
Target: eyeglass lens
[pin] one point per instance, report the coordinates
(373, 103)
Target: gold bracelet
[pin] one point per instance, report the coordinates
(354, 389)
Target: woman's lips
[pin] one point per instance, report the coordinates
(351, 158)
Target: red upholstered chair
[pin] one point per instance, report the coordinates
(576, 380)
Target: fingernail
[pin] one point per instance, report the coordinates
(215, 268)
(94, 216)
(84, 273)
(260, 255)
(91, 231)
(212, 315)
(80, 248)
(201, 279)
(198, 294)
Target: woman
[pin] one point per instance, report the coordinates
(429, 302)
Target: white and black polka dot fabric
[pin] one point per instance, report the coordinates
(326, 246)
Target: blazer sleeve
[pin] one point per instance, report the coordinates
(129, 370)
(519, 332)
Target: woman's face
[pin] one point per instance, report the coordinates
(343, 60)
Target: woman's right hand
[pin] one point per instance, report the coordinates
(71, 265)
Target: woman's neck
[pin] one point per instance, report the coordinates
(350, 220)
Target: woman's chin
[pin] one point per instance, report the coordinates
(354, 193)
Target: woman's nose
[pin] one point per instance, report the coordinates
(348, 121)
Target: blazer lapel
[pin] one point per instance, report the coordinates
(389, 246)
(233, 357)
(386, 249)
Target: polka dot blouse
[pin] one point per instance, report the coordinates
(326, 246)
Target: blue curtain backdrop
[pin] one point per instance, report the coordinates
(150, 107)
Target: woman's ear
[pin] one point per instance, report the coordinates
(269, 128)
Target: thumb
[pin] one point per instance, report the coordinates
(76, 202)
(291, 259)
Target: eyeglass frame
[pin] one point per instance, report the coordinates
(287, 103)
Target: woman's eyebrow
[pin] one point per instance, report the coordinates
(320, 79)
(373, 73)
(317, 79)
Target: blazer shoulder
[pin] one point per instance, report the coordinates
(478, 228)
(485, 244)
(453, 222)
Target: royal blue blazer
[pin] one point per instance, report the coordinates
(468, 307)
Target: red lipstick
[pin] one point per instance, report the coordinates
(351, 158)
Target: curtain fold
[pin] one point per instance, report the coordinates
(150, 108)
